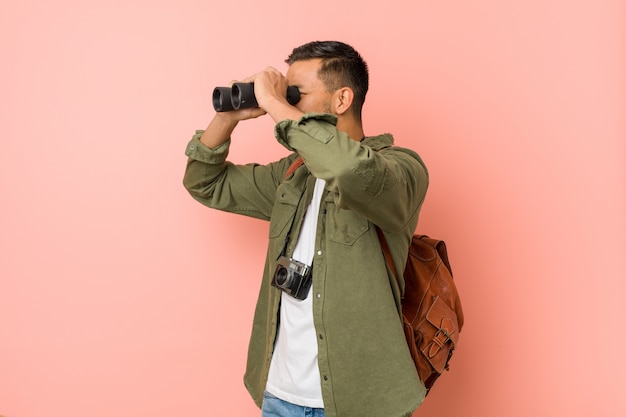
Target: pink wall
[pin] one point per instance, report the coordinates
(120, 296)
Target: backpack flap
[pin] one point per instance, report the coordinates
(440, 334)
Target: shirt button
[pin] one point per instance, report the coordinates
(318, 295)
(325, 378)
(192, 147)
(319, 253)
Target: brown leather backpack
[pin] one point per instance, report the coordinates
(431, 308)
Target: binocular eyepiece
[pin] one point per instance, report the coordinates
(241, 96)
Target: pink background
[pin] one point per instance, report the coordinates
(121, 296)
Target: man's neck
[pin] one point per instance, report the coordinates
(353, 128)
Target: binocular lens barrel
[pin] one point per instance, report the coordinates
(241, 96)
(221, 99)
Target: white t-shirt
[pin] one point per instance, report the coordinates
(294, 375)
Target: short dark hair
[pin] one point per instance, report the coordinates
(342, 66)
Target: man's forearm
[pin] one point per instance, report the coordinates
(280, 110)
(218, 131)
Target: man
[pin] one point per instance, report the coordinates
(340, 351)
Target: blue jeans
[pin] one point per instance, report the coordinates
(275, 407)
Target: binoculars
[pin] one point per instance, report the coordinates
(241, 96)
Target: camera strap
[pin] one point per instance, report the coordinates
(283, 252)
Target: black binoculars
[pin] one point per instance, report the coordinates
(241, 96)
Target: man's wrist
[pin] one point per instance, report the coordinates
(279, 109)
(219, 130)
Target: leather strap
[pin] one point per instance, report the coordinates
(294, 165)
(387, 253)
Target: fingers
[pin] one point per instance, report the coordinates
(245, 114)
(256, 112)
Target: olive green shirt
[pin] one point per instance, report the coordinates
(364, 362)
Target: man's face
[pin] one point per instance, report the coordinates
(314, 98)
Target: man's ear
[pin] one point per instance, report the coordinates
(342, 100)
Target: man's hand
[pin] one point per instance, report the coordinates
(270, 89)
(270, 85)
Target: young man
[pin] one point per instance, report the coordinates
(337, 348)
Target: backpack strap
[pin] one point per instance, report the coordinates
(387, 253)
(294, 165)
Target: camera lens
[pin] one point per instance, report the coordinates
(281, 276)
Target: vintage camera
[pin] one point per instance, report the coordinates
(241, 96)
(293, 277)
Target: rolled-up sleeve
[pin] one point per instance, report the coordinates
(243, 189)
(197, 151)
(307, 127)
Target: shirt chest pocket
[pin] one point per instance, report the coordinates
(287, 198)
(344, 226)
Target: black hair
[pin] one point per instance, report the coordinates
(342, 66)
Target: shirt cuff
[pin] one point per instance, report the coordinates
(319, 126)
(200, 152)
